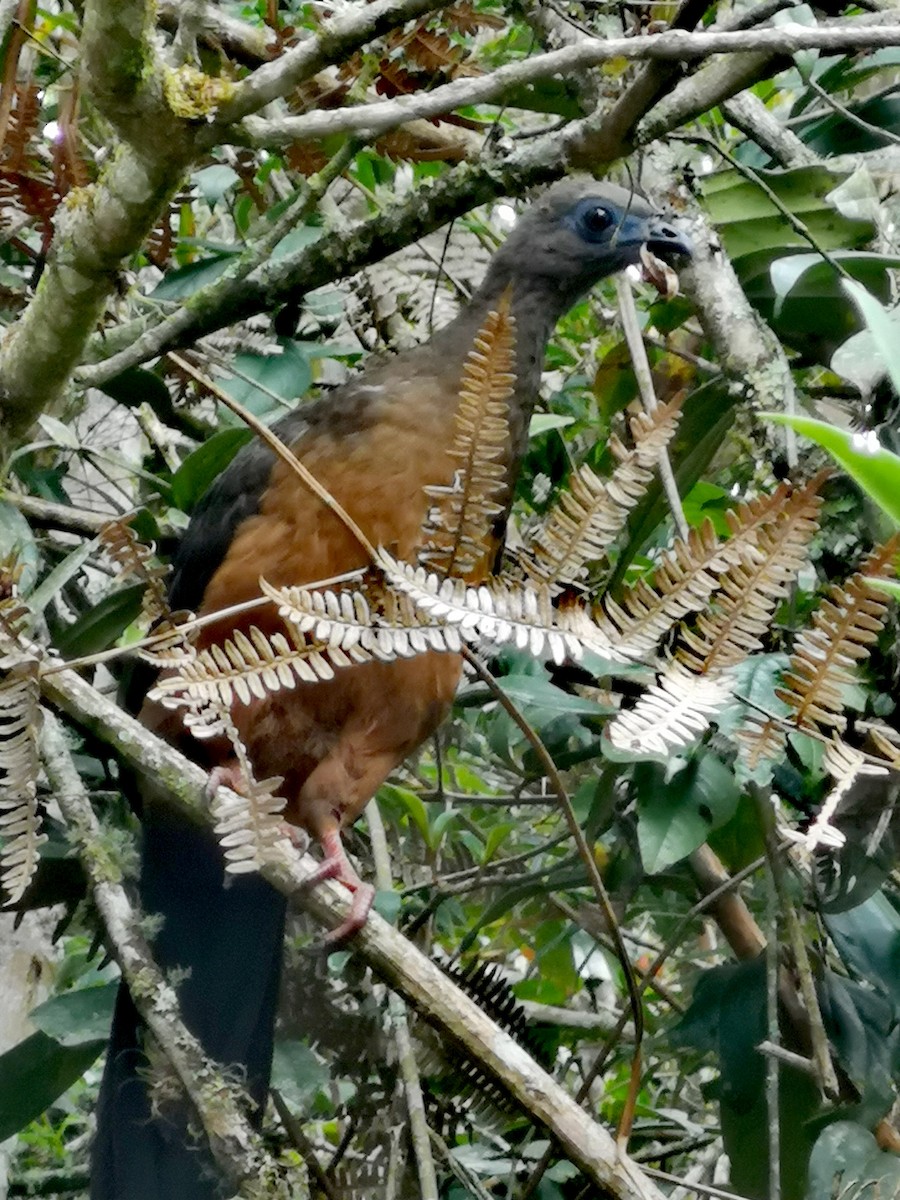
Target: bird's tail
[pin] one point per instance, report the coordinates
(220, 943)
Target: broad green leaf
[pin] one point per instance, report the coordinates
(77, 1016)
(215, 182)
(862, 1026)
(676, 815)
(882, 328)
(36, 1072)
(868, 940)
(408, 802)
(182, 282)
(749, 222)
(199, 469)
(297, 1072)
(707, 417)
(813, 312)
(281, 378)
(847, 1161)
(876, 470)
(101, 626)
(138, 386)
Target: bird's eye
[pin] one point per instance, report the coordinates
(596, 220)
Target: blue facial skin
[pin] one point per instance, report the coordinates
(602, 224)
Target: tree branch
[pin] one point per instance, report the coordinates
(237, 1149)
(336, 40)
(402, 966)
(676, 45)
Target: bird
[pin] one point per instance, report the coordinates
(375, 443)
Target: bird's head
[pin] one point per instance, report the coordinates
(578, 232)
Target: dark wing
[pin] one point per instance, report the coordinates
(233, 497)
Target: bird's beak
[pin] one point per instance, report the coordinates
(668, 242)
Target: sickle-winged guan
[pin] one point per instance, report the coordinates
(376, 444)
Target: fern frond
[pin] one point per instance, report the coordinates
(173, 634)
(135, 561)
(843, 629)
(457, 529)
(582, 525)
(751, 588)
(688, 574)
(245, 668)
(845, 765)
(495, 612)
(249, 822)
(759, 740)
(346, 620)
(20, 824)
(672, 713)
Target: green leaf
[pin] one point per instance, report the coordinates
(184, 281)
(297, 1072)
(887, 585)
(407, 802)
(215, 182)
(56, 579)
(868, 940)
(281, 377)
(881, 326)
(707, 417)
(814, 313)
(17, 541)
(877, 471)
(544, 422)
(749, 222)
(847, 1161)
(676, 815)
(205, 464)
(79, 1015)
(36, 1072)
(138, 386)
(101, 626)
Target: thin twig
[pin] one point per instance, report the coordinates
(638, 351)
(406, 1056)
(278, 447)
(590, 864)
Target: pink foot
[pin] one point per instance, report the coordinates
(337, 866)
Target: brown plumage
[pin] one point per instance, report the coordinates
(375, 445)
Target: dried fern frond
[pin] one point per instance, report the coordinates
(173, 636)
(494, 612)
(458, 526)
(688, 574)
(249, 822)
(20, 824)
(591, 513)
(135, 561)
(751, 589)
(843, 629)
(347, 620)
(244, 669)
(845, 765)
(760, 740)
(672, 713)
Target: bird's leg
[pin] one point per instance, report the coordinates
(337, 865)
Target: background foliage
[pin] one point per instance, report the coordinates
(795, 178)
